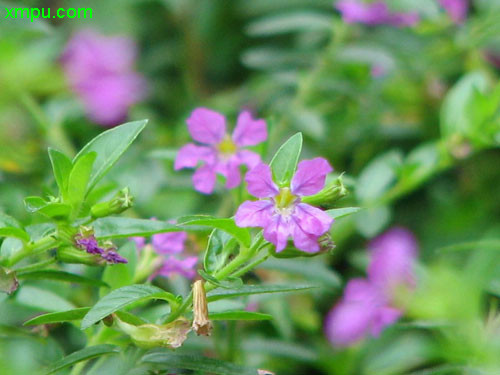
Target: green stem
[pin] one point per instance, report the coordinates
(38, 247)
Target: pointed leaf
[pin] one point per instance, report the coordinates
(284, 162)
(61, 166)
(14, 232)
(119, 227)
(239, 315)
(58, 317)
(220, 246)
(256, 289)
(59, 275)
(82, 355)
(338, 213)
(79, 179)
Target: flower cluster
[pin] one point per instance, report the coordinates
(100, 70)
(169, 246)
(280, 211)
(457, 9)
(85, 240)
(376, 13)
(369, 305)
(221, 154)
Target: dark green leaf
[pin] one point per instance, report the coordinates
(109, 146)
(256, 289)
(14, 232)
(196, 363)
(116, 227)
(220, 246)
(121, 298)
(239, 315)
(58, 317)
(82, 355)
(59, 275)
(227, 225)
(61, 166)
(285, 160)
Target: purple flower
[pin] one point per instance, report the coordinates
(113, 257)
(457, 9)
(376, 13)
(222, 154)
(100, 70)
(368, 305)
(169, 243)
(88, 243)
(185, 267)
(280, 212)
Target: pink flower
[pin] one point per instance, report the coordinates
(222, 154)
(376, 13)
(185, 267)
(280, 211)
(367, 306)
(457, 9)
(100, 70)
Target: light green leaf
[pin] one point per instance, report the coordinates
(59, 275)
(109, 146)
(239, 315)
(14, 232)
(227, 283)
(372, 221)
(220, 246)
(82, 355)
(285, 160)
(122, 227)
(42, 299)
(290, 22)
(58, 317)
(338, 213)
(246, 290)
(79, 179)
(121, 298)
(196, 363)
(119, 275)
(61, 166)
(228, 225)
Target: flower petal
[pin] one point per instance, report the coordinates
(385, 317)
(260, 182)
(312, 220)
(310, 176)
(249, 132)
(140, 242)
(169, 243)
(230, 170)
(305, 241)
(277, 232)
(254, 214)
(204, 179)
(249, 158)
(190, 154)
(206, 126)
(184, 267)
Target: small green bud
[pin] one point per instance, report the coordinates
(171, 335)
(330, 194)
(122, 201)
(70, 254)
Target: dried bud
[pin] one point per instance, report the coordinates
(122, 201)
(171, 335)
(8, 281)
(201, 324)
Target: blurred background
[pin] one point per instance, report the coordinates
(408, 111)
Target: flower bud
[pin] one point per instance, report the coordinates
(171, 335)
(330, 194)
(121, 202)
(69, 254)
(201, 324)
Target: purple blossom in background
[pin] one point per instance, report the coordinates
(375, 13)
(222, 154)
(171, 243)
(185, 267)
(280, 211)
(367, 306)
(456, 9)
(100, 70)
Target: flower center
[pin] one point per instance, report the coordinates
(285, 201)
(227, 146)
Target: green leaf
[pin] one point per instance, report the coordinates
(290, 22)
(109, 146)
(220, 246)
(285, 160)
(239, 315)
(246, 290)
(196, 363)
(48, 209)
(338, 213)
(121, 298)
(372, 221)
(82, 355)
(14, 232)
(119, 275)
(8, 281)
(58, 317)
(227, 283)
(311, 270)
(61, 166)
(59, 275)
(79, 178)
(228, 225)
(42, 299)
(123, 227)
